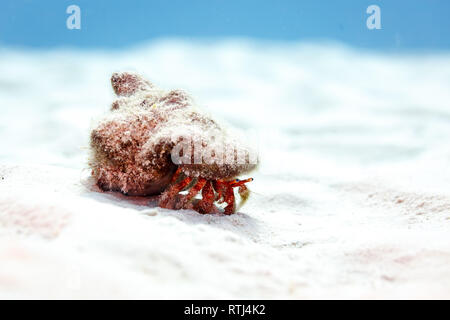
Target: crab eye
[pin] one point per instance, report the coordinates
(237, 180)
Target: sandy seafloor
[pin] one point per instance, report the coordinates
(352, 198)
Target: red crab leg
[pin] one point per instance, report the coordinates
(192, 193)
(206, 205)
(168, 198)
(220, 187)
(229, 199)
(176, 175)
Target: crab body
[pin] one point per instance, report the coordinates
(156, 142)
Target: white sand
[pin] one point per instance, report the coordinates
(352, 199)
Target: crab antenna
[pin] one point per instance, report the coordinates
(238, 183)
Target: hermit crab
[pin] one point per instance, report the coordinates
(157, 142)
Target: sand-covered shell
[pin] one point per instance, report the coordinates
(149, 132)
